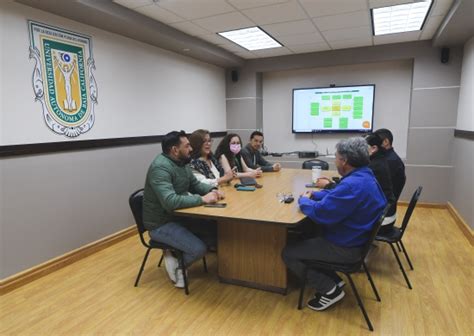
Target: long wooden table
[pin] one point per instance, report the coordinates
(252, 229)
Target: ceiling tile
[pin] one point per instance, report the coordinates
(441, 7)
(232, 47)
(245, 4)
(290, 11)
(430, 27)
(194, 9)
(246, 55)
(352, 43)
(272, 52)
(300, 39)
(312, 47)
(159, 14)
(133, 3)
(224, 22)
(386, 3)
(348, 20)
(316, 8)
(190, 28)
(348, 33)
(289, 28)
(397, 38)
(214, 38)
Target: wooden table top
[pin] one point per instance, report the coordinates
(262, 204)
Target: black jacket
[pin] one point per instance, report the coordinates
(379, 165)
(397, 172)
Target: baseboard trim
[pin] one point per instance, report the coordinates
(36, 272)
(425, 205)
(463, 226)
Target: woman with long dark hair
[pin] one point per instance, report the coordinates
(228, 153)
(206, 167)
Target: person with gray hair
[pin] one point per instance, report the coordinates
(346, 215)
(354, 151)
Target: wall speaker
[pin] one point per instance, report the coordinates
(444, 55)
(234, 75)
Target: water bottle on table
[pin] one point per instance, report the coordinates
(315, 174)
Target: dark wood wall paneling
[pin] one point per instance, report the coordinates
(66, 146)
(464, 134)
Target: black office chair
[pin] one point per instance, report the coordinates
(395, 235)
(309, 164)
(347, 269)
(136, 204)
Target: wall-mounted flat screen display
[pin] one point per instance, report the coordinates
(334, 109)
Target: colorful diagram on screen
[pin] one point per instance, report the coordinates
(333, 109)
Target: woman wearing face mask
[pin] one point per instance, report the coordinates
(206, 167)
(228, 153)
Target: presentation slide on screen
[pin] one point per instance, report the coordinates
(333, 109)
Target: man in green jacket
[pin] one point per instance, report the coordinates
(170, 185)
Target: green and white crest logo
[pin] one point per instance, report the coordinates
(62, 78)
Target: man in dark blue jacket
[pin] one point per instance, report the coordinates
(346, 214)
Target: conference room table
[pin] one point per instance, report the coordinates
(252, 228)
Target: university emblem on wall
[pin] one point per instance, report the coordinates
(62, 78)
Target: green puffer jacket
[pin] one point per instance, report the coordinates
(169, 185)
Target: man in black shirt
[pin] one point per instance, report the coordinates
(252, 156)
(397, 172)
(379, 166)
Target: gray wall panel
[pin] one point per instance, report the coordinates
(436, 107)
(430, 72)
(430, 146)
(463, 179)
(435, 182)
(392, 101)
(244, 134)
(246, 85)
(259, 112)
(58, 202)
(241, 113)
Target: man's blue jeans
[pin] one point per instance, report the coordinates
(183, 235)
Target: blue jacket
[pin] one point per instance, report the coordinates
(349, 211)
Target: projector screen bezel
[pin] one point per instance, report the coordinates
(321, 131)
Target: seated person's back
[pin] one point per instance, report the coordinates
(349, 211)
(346, 214)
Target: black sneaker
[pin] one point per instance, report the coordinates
(340, 284)
(324, 301)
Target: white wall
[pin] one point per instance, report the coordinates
(143, 90)
(393, 82)
(53, 203)
(462, 188)
(465, 119)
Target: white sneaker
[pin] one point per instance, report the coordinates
(171, 264)
(179, 278)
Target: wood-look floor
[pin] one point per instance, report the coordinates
(96, 295)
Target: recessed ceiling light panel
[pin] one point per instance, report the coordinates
(400, 18)
(252, 38)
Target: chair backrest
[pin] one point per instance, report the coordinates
(136, 205)
(373, 232)
(308, 164)
(411, 207)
